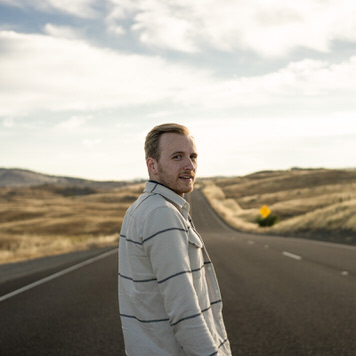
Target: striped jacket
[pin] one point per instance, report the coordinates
(169, 298)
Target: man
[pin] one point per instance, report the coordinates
(170, 303)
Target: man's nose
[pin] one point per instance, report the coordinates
(190, 164)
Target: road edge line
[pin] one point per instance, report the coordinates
(291, 255)
(57, 274)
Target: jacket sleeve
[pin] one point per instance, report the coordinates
(166, 245)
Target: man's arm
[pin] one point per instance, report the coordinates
(166, 244)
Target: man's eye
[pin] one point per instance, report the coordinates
(177, 157)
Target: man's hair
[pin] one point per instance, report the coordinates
(152, 138)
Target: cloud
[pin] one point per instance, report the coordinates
(8, 122)
(159, 29)
(304, 86)
(16, 3)
(73, 123)
(273, 28)
(50, 73)
(91, 142)
(62, 31)
(78, 8)
(42, 73)
(114, 16)
(160, 114)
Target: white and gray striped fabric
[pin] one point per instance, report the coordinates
(169, 298)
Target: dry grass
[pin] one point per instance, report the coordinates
(310, 203)
(228, 209)
(46, 220)
(53, 219)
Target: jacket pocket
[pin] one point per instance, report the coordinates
(194, 239)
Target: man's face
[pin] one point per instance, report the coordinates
(177, 164)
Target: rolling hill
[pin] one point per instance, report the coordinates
(16, 177)
(42, 214)
(310, 203)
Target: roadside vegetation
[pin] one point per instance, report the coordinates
(51, 219)
(311, 203)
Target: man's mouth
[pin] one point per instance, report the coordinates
(186, 177)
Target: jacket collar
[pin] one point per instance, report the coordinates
(169, 194)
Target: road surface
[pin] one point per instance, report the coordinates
(282, 296)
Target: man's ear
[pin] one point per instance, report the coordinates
(151, 166)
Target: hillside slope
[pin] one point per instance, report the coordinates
(312, 203)
(16, 177)
(43, 215)
(50, 219)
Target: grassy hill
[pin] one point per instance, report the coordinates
(311, 203)
(17, 177)
(39, 219)
(55, 218)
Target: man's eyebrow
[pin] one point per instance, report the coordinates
(182, 153)
(177, 153)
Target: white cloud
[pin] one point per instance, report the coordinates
(91, 142)
(160, 114)
(115, 29)
(62, 31)
(159, 29)
(73, 123)
(49, 73)
(245, 145)
(121, 9)
(294, 114)
(272, 28)
(79, 8)
(307, 82)
(114, 15)
(8, 122)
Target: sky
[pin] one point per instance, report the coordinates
(260, 84)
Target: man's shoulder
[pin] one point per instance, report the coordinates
(152, 211)
(147, 202)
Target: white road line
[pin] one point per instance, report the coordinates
(344, 273)
(57, 274)
(291, 255)
(250, 242)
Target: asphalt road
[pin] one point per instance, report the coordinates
(282, 296)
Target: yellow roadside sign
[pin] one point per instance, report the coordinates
(264, 211)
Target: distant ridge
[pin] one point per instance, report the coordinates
(17, 177)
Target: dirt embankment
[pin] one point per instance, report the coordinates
(51, 219)
(317, 203)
